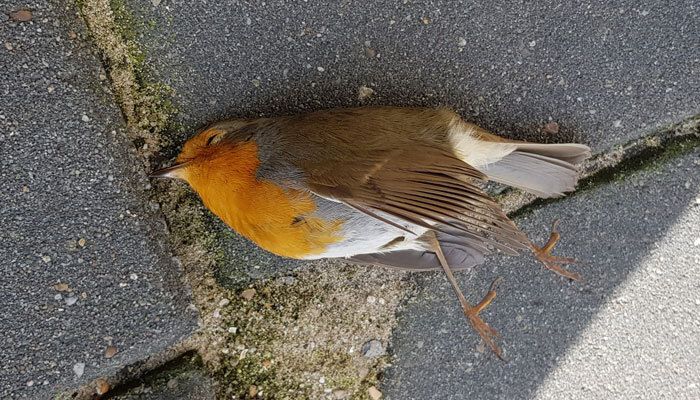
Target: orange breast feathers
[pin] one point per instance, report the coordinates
(279, 220)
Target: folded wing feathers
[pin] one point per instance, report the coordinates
(441, 194)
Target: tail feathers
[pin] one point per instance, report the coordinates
(572, 153)
(546, 170)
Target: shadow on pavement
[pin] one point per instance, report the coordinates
(611, 229)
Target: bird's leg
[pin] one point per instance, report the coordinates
(487, 333)
(554, 263)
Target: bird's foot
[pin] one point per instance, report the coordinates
(487, 333)
(554, 263)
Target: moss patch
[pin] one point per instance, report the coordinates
(301, 337)
(146, 104)
(158, 379)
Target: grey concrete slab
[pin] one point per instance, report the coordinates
(83, 258)
(606, 71)
(629, 331)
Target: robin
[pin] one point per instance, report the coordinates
(398, 187)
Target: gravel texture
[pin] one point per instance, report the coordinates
(603, 70)
(606, 72)
(83, 258)
(629, 331)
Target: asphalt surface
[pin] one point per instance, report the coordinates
(83, 260)
(630, 331)
(605, 71)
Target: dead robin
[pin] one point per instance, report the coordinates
(392, 186)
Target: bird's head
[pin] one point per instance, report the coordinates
(220, 157)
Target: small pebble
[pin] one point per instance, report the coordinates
(320, 69)
(551, 128)
(462, 42)
(101, 386)
(426, 20)
(82, 242)
(362, 372)
(61, 287)
(111, 351)
(133, 277)
(21, 16)
(374, 393)
(85, 118)
(79, 369)
(9, 46)
(248, 294)
(224, 302)
(340, 394)
(71, 300)
(46, 259)
(364, 93)
(373, 349)
(172, 383)
(371, 299)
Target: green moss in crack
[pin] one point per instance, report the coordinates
(187, 365)
(248, 361)
(151, 100)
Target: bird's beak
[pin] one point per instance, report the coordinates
(173, 171)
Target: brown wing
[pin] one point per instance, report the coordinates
(388, 159)
(426, 186)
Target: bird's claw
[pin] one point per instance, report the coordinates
(487, 333)
(551, 262)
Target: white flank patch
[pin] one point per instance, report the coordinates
(475, 152)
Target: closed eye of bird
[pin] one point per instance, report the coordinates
(391, 186)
